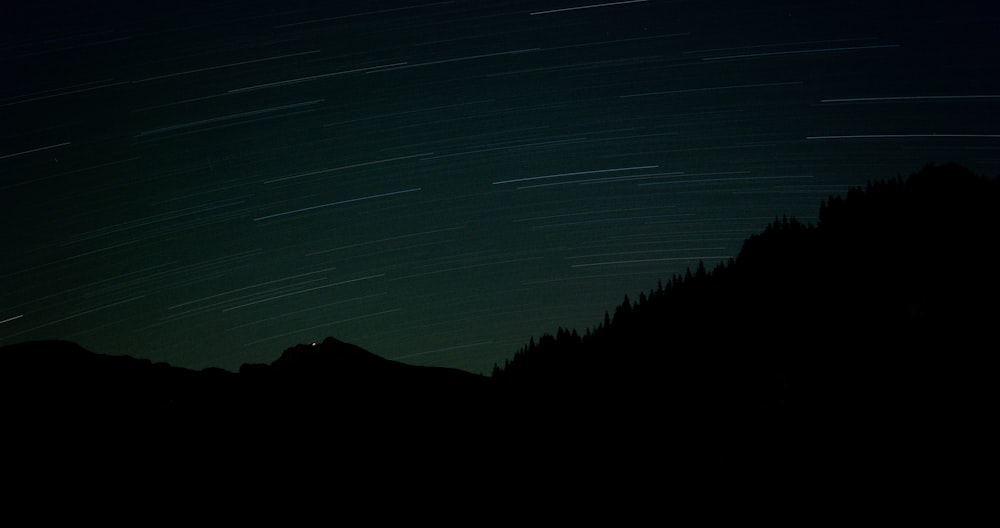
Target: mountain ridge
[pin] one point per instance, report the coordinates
(300, 372)
(841, 349)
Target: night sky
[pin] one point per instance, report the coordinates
(209, 183)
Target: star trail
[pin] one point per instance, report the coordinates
(208, 183)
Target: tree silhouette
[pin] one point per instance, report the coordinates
(812, 331)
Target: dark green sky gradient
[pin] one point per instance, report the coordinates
(207, 185)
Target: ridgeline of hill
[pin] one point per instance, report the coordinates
(865, 340)
(860, 343)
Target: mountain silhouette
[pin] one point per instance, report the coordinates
(62, 377)
(856, 350)
(860, 345)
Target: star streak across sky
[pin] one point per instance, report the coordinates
(208, 183)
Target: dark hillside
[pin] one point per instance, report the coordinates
(855, 351)
(54, 388)
(855, 343)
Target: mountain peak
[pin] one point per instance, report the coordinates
(329, 355)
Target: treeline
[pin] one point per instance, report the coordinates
(675, 318)
(876, 319)
(892, 251)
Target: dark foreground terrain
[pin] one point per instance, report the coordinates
(851, 359)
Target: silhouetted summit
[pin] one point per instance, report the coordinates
(331, 354)
(320, 376)
(61, 377)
